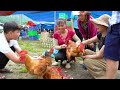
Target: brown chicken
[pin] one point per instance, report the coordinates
(53, 73)
(73, 50)
(39, 67)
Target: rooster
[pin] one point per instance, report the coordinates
(73, 50)
(42, 68)
(38, 67)
(53, 73)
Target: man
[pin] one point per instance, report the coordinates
(112, 46)
(8, 46)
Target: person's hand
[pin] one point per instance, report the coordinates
(63, 46)
(83, 57)
(83, 42)
(87, 57)
(91, 45)
(77, 43)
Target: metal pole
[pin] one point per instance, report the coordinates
(54, 18)
(20, 19)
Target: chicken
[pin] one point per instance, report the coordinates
(42, 68)
(53, 73)
(73, 50)
(39, 67)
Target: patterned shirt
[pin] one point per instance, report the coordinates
(115, 18)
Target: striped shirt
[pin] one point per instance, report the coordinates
(115, 17)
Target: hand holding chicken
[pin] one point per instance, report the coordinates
(74, 49)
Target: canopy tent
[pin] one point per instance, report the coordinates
(39, 17)
(96, 14)
(50, 16)
(6, 13)
(30, 23)
(47, 26)
(46, 17)
(19, 18)
(1, 28)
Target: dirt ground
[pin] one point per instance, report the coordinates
(75, 72)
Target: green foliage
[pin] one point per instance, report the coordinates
(23, 70)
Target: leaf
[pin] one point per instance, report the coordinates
(23, 70)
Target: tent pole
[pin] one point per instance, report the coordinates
(54, 19)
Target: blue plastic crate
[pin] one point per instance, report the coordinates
(32, 28)
(33, 37)
(23, 33)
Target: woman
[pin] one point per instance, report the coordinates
(86, 28)
(74, 24)
(95, 62)
(60, 39)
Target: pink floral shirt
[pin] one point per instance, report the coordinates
(62, 40)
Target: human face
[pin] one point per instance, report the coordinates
(61, 27)
(14, 34)
(83, 16)
(100, 28)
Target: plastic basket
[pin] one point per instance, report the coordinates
(33, 37)
(32, 28)
(32, 33)
(23, 33)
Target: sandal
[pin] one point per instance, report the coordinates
(2, 76)
(5, 71)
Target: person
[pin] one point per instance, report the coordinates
(74, 24)
(87, 28)
(94, 61)
(9, 45)
(60, 39)
(112, 46)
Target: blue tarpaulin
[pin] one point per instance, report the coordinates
(49, 15)
(46, 16)
(96, 14)
(47, 26)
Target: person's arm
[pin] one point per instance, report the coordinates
(92, 40)
(72, 24)
(55, 44)
(16, 46)
(98, 55)
(18, 50)
(76, 38)
(12, 56)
